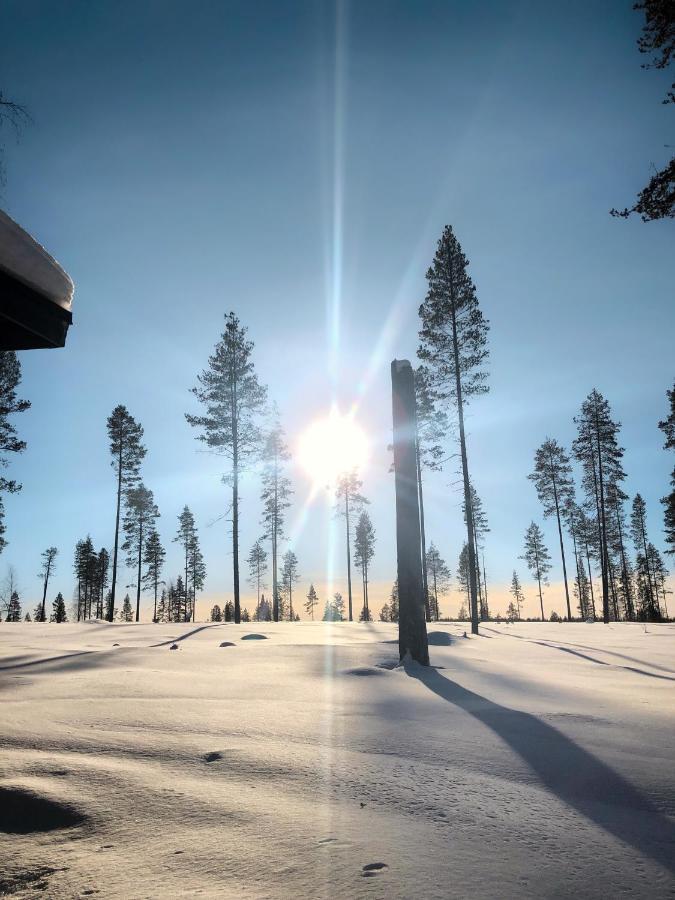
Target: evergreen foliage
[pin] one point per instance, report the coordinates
(139, 521)
(58, 610)
(439, 579)
(233, 399)
(537, 558)
(275, 497)
(453, 346)
(349, 501)
(667, 426)
(10, 378)
(311, 602)
(364, 550)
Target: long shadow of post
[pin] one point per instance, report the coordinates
(575, 776)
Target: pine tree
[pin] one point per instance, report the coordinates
(58, 610)
(85, 565)
(512, 613)
(339, 607)
(186, 536)
(216, 614)
(127, 452)
(13, 608)
(453, 345)
(228, 612)
(464, 573)
(600, 455)
(364, 615)
(517, 592)
(263, 611)
(139, 521)
(10, 378)
(667, 426)
(439, 579)
(257, 567)
(233, 399)
(385, 613)
(432, 426)
(245, 615)
(660, 572)
(646, 576)
(48, 564)
(275, 497)
(349, 501)
(101, 581)
(154, 555)
(27, 617)
(289, 576)
(127, 611)
(393, 602)
(537, 558)
(552, 477)
(197, 570)
(479, 529)
(312, 602)
(162, 614)
(364, 550)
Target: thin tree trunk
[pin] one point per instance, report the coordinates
(590, 580)
(138, 577)
(425, 584)
(111, 605)
(487, 608)
(467, 485)
(603, 530)
(481, 606)
(630, 609)
(44, 592)
(275, 534)
(562, 550)
(349, 555)
(235, 503)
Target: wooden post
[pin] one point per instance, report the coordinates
(412, 627)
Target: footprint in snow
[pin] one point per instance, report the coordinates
(372, 869)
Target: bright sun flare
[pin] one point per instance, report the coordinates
(332, 446)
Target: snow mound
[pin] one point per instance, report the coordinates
(174, 647)
(23, 812)
(364, 671)
(439, 639)
(254, 637)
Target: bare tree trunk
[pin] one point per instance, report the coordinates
(235, 504)
(562, 551)
(111, 604)
(138, 575)
(467, 483)
(412, 627)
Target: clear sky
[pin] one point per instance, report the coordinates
(296, 162)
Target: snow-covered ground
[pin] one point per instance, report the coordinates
(534, 761)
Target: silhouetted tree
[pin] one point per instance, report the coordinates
(101, 578)
(385, 613)
(58, 610)
(453, 345)
(196, 570)
(127, 455)
(657, 200)
(667, 426)
(85, 566)
(127, 611)
(139, 520)
(600, 455)
(349, 501)
(263, 611)
(185, 536)
(638, 527)
(552, 477)
(290, 576)
(537, 558)
(48, 563)
(257, 567)
(439, 576)
(13, 608)
(364, 550)
(276, 493)
(311, 602)
(393, 602)
(517, 592)
(234, 399)
(10, 377)
(216, 614)
(154, 555)
(464, 572)
(479, 529)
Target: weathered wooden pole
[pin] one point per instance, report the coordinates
(412, 626)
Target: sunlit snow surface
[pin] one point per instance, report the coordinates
(535, 761)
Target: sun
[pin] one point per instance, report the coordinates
(332, 446)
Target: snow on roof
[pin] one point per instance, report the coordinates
(26, 260)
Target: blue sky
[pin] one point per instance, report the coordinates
(296, 162)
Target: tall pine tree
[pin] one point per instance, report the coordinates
(139, 520)
(552, 477)
(154, 555)
(453, 346)
(667, 426)
(290, 576)
(233, 399)
(349, 502)
(47, 570)
(275, 496)
(537, 558)
(364, 550)
(127, 453)
(439, 579)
